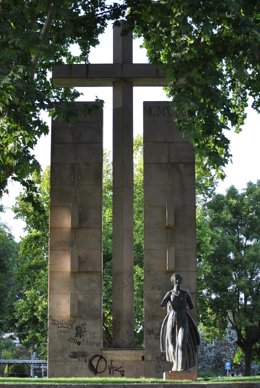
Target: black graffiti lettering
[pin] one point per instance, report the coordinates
(74, 341)
(154, 333)
(80, 330)
(61, 324)
(97, 364)
(113, 368)
(79, 356)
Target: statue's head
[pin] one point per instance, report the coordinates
(176, 278)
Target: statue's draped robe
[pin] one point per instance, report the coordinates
(179, 336)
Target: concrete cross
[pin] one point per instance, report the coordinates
(122, 75)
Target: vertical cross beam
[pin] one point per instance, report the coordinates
(123, 245)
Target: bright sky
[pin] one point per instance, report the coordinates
(244, 146)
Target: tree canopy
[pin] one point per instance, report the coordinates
(8, 257)
(229, 282)
(35, 35)
(31, 266)
(208, 50)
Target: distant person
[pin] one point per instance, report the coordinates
(179, 337)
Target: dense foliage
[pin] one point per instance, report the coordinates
(8, 256)
(229, 267)
(31, 268)
(107, 247)
(138, 239)
(34, 35)
(209, 51)
(214, 353)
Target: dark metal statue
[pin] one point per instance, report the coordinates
(179, 337)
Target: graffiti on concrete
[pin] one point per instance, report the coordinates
(153, 332)
(79, 333)
(61, 323)
(98, 365)
(79, 356)
(114, 369)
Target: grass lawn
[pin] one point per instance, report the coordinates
(122, 380)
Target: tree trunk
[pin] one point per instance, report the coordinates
(248, 356)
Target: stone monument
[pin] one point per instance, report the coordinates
(169, 220)
(75, 346)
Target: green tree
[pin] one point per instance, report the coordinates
(229, 235)
(209, 51)
(8, 256)
(34, 36)
(107, 206)
(138, 201)
(213, 353)
(107, 247)
(31, 269)
(138, 239)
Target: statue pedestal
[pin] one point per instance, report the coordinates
(180, 375)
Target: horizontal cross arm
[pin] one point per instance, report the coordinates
(107, 74)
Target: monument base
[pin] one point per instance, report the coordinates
(180, 375)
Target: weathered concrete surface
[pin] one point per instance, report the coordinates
(123, 223)
(140, 74)
(75, 281)
(169, 222)
(75, 249)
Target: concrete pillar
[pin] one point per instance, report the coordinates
(75, 254)
(169, 221)
(123, 246)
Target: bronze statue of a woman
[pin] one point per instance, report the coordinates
(179, 337)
